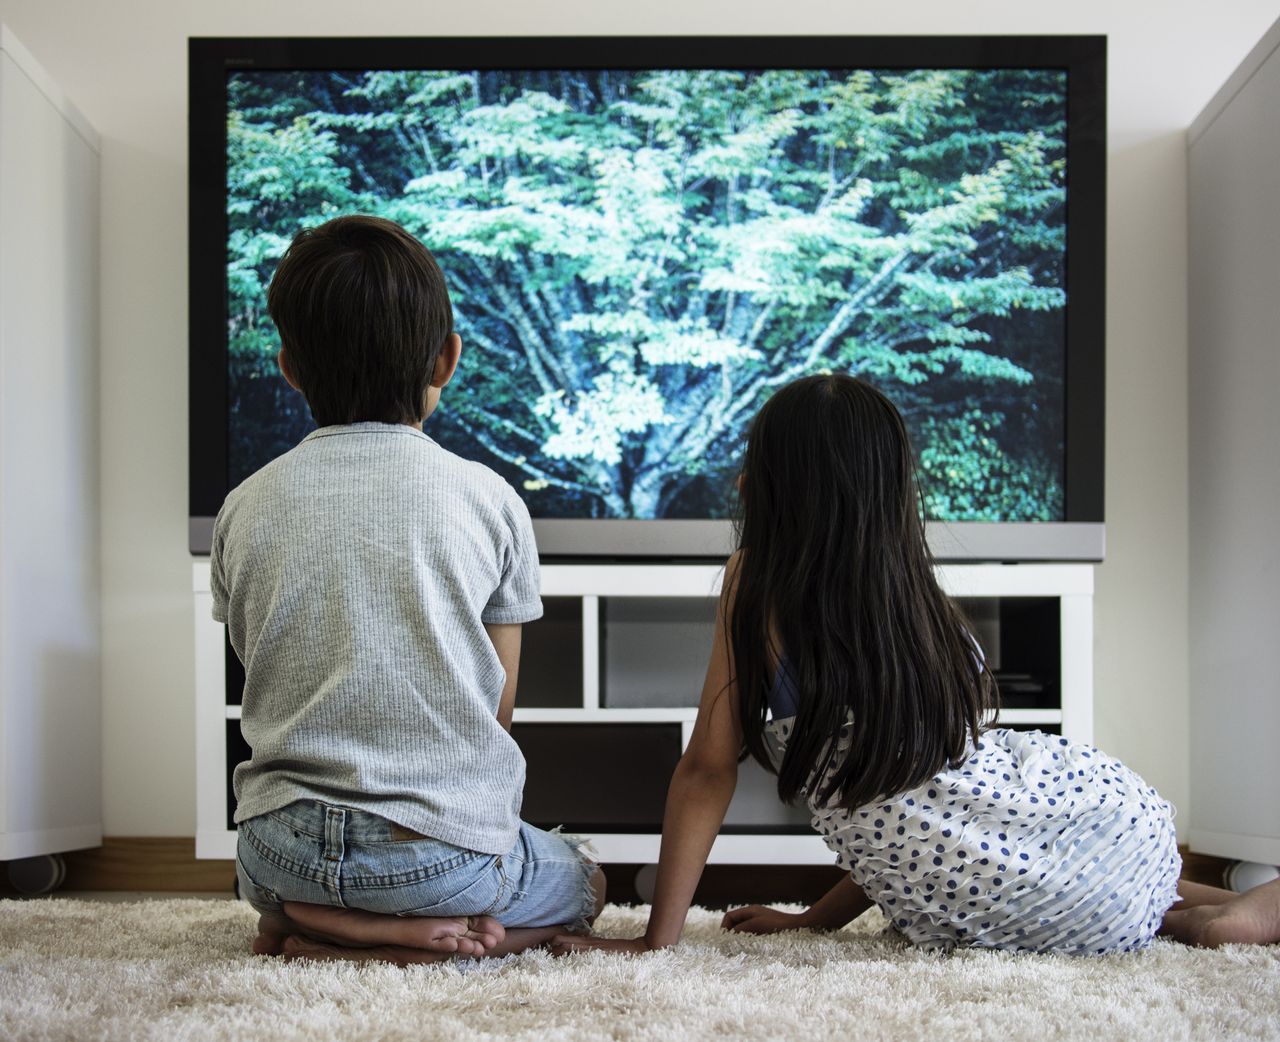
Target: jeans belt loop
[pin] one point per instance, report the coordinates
(335, 822)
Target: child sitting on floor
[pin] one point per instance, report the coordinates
(374, 586)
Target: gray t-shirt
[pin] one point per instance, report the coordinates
(355, 574)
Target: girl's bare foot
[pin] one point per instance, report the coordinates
(302, 948)
(1251, 918)
(352, 928)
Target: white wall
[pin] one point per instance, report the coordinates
(125, 65)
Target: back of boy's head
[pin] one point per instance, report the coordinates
(363, 311)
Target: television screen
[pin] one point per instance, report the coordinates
(638, 254)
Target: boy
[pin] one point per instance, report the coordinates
(374, 586)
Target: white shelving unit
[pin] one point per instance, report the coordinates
(672, 601)
(1233, 175)
(50, 561)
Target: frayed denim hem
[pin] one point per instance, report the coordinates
(581, 846)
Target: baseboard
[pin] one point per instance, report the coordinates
(169, 863)
(159, 863)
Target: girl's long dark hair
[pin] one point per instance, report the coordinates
(834, 576)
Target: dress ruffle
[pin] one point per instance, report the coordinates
(1033, 843)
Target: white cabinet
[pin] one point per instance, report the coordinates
(1234, 314)
(50, 687)
(609, 682)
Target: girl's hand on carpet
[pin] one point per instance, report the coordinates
(568, 943)
(759, 919)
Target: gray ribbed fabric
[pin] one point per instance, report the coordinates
(355, 574)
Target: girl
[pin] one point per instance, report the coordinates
(840, 665)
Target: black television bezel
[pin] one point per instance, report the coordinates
(1079, 537)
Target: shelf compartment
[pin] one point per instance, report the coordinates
(755, 806)
(654, 650)
(1021, 640)
(551, 657)
(597, 777)
(234, 670)
(237, 752)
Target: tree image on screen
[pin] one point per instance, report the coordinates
(638, 259)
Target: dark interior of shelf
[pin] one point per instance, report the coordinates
(237, 752)
(235, 671)
(1021, 638)
(551, 657)
(593, 777)
(588, 777)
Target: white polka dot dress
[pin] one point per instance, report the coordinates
(1034, 843)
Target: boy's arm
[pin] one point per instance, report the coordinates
(506, 642)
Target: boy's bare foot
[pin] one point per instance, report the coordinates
(352, 928)
(302, 948)
(272, 930)
(1251, 918)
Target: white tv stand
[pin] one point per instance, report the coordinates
(620, 657)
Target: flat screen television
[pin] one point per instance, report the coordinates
(644, 237)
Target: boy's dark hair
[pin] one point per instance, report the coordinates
(836, 578)
(362, 311)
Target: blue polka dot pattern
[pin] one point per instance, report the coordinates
(1034, 843)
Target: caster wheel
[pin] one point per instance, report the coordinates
(41, 874)
(1245, 875)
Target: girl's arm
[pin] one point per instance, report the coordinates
(697, 799)
(842, 904)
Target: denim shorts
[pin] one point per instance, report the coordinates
(331, 855)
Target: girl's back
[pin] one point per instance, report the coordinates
(860, 685)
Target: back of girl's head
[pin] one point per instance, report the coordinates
(828, 469)
(362, 310)
(835, 577)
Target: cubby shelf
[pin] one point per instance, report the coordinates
(618, 638)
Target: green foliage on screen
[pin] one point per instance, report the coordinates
(638, 259)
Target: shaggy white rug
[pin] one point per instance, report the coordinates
(179, 971)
